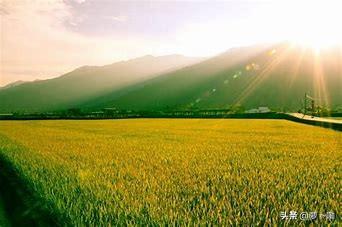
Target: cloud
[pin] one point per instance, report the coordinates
(118, 18)
(36, 43)
(46, 38)
(79, 1)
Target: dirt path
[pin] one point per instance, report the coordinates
(318, 121)
(307, 117)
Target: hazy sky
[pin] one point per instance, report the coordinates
(46, 38)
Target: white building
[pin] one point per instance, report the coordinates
(261, 109)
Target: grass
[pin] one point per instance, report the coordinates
(163, 171)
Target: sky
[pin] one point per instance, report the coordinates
(42, 39)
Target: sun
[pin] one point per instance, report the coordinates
(314, 24)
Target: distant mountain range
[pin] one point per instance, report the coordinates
(84, 83)
(275, 76)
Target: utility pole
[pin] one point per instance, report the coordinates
(305, 104)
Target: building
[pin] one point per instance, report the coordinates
(261, 109)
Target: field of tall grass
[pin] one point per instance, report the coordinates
(177, 171)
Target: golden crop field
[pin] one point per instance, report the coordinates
(177, 171)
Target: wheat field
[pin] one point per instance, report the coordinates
(176, 171)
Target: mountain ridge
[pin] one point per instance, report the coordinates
(276, 76)
(85, 82)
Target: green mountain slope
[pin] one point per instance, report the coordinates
(13, 84)
(86, 82)
(276, 77)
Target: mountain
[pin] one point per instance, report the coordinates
(86, 82)
(13, 84)
(276, 76)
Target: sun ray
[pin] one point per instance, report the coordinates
(294, 72)
(319, 86)
(259, 78)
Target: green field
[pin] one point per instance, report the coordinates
(175, 171)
